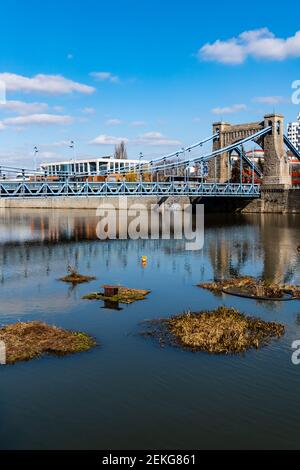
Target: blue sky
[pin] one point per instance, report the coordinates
(156, 73)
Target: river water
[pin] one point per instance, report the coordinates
(128, 392)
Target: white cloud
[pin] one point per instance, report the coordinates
(259, 44)
(58, 109)
(105, 76)
(148, 138)
(156, 139)
(269, 99)
(138, 123)
(113, 122)
(49, 84)
(88, 111)
(16, 155)
(108, 140)
(45, 155)
(39, 119)
(59, 143)
(229, 109)
(21, 107)
(226, 52)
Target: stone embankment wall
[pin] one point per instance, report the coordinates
(282, 201)
(90, 202)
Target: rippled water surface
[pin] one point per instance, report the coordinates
(128, 392)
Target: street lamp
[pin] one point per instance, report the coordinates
(36, 151)
(72, 146)
(140, 158)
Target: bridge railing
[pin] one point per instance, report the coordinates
(81, 189)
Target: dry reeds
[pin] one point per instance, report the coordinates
(253, 288)
(27, 340)
(224, 330)
(218, 286)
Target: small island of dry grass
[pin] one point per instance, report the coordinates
(123, 295)
(75, 278)
(218, 286)
(28, 340)
(248, 286)
(221, 331)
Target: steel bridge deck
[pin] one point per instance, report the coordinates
(81, 189)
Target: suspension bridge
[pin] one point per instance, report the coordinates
(227, 140)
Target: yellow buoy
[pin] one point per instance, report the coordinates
(144, 259)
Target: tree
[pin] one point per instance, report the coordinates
(120, 151)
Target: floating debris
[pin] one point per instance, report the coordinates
(28, 340)
(123, 295)
(75, 278)
(252, 288)
(221, 331)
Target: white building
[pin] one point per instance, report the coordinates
(89, 167)
(293, 132)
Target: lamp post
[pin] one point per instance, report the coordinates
(36, 151)
(140, 158)
(72, 146)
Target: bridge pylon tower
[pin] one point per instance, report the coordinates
(276, 166)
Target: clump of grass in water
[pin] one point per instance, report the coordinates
(218, 286)
(221, 331)
(75, 278)
(125, 295)
(248, 285)
(28, 340)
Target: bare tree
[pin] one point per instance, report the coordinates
(120, 151)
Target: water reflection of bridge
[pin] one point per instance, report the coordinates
(269, 241)
(233, 244)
